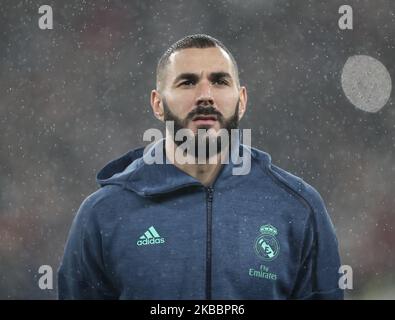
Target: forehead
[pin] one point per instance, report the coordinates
(197, 60)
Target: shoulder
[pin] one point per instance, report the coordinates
(100, 204)
(296, 185)
(292, 184)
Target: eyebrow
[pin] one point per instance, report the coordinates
(194, 76)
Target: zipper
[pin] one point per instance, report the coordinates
(209, 202)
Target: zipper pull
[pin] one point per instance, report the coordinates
(210, 192)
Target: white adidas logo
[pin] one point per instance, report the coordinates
(151, 236)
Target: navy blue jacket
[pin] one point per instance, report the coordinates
(154, 232)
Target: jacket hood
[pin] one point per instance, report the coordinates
(133, 171)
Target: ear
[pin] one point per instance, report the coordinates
(243, 101)
(156, 104)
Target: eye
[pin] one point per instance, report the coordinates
(221, 82)
(187, 83)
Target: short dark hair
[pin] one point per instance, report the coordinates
(192, 41)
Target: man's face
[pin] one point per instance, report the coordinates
(200, 90)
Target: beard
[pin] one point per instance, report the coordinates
(204, 140)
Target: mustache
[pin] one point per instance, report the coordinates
(204, 111)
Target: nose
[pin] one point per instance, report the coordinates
(204, 96)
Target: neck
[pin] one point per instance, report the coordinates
(206, 173)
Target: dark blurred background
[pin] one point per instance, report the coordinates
(75, 97)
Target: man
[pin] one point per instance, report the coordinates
(191, 230)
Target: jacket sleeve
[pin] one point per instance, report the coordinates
(81, 274)
(319, 266)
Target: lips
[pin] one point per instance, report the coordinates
(208, 120)
(205, 118)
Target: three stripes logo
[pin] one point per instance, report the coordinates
(151, 236)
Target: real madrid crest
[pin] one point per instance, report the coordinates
(266, 245)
